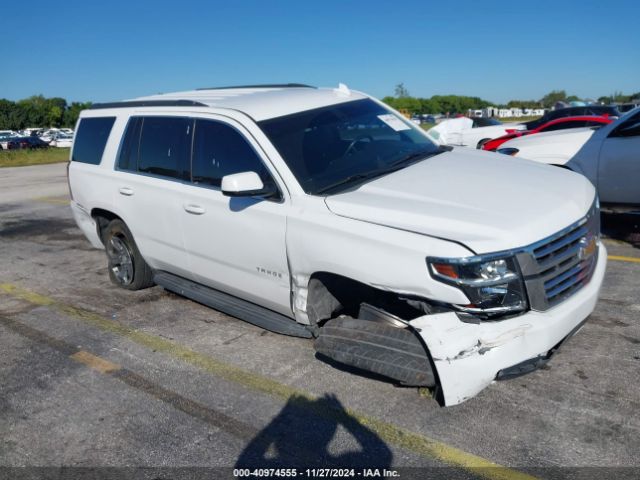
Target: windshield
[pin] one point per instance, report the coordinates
(332, 148)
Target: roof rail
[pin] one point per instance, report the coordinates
(147, 103)
(266, 85)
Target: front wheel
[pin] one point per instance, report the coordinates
(127, 268)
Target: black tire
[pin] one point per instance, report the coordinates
(127, 268)
(396, 353)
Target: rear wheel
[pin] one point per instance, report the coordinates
(127, 268)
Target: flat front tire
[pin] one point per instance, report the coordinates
(127, 268)
(393, 352)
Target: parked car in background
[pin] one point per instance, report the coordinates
(470, 132)
(597, 110)
(31, 143)
(51, 133)
(626, 107)
(553, 125)
(31, 132)
(48, 135)
(5, 137)
(608, 156)
(61, 140)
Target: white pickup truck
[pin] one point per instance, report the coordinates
(324, 214)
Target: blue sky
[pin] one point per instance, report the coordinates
(112, 50)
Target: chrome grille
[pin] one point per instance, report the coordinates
(560, 265)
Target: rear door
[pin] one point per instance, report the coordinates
(619, 165)
(151, 167)
(237, 244)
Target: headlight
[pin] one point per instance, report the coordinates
(493, 285)
(508, 151)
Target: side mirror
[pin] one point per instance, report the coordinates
(246, 184)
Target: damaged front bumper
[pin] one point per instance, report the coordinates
(469, 356)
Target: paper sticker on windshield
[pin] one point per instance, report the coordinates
(394, 122)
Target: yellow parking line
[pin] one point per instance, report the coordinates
(53, 200)
(96, 363)
(611, 241)
(619, 258)
(390, 433)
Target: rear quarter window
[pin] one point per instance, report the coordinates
(91, 138)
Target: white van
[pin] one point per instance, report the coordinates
(323, 213)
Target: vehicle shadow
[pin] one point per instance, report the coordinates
(238, 204)
(306, 434)
(622, 227)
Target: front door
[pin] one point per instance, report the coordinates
(234, 244)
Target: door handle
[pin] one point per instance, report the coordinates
(126, 191)
(194, 209)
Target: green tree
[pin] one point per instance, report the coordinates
(551, 98)
(56, 107)
(619, 97)
(7, 109)
(523, 104)
(410, 104)
(72, 113)
(55, 116)
(401, 91)
(36, 111)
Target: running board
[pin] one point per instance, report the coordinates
(234, 306)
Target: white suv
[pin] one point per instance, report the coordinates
(322, 212)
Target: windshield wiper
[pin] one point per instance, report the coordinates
(415, 156)
(344, 181)
(393, 167)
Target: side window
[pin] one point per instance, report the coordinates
(128, 159)
(554, 115)
(164, 146)
(91, 138)
(628, 128)
(219, 150)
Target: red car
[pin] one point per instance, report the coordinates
(558, 124)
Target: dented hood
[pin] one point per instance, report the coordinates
(486, 201)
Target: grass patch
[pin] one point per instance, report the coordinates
(21, 158)
(518, 119)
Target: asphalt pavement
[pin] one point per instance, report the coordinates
(93, 376)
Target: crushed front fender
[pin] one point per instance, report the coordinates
(469, 356)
